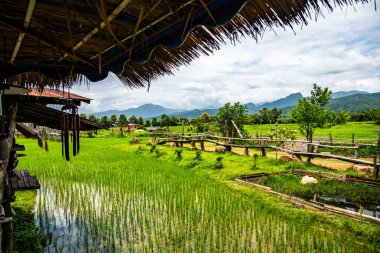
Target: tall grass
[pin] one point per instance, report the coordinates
(109, 199)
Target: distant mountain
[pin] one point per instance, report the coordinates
(351, 101)
(356, 103)
(290, 100)
(340, 94)
(145, 111)
(196, 113)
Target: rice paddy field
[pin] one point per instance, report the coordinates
(362, 130)
(122, 197)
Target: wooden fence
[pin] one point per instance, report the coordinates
(275, 144)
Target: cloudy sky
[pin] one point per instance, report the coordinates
(341, 50)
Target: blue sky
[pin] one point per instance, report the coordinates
(340, 50)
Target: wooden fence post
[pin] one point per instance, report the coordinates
(375, 167)
(353, 139)
(202, 146)
(246, 152)
(330, 137)
(357, 151)
(263, 152)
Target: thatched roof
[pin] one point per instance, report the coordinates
(50, 43)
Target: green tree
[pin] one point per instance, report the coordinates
(237, 113)
(140, 121)
(311, 113)
(185, 120)
(204, 118)
(92, 118)
(154, 122)
(265, 115)
(113, 118)
(275, 114)
(122, 120)
(174, 121)
(147, 123)
(82, 115)
(165, 120)
(133, 119)
(252, 119)
(105, 121)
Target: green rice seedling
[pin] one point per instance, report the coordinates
(178, 154)
(254, 166)
(140, 150)
(152, 148)
(218, 164)
(198, 155)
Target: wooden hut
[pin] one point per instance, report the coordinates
(64, 42)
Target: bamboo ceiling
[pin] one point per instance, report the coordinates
(63, 42)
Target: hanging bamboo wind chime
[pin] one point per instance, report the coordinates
(70, 123)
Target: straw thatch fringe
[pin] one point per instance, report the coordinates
(253, 19)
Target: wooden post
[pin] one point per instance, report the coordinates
(357, 151)
(263, 152)
(353, 139)
(330, 137)
(183, 129)
(257, 134)
(7, 228)
(246, 152)
(226, 128)
(375, 167)
(276, 130)
(202, 146)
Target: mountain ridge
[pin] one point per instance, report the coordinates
(352, 102)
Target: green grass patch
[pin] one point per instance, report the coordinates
(25, 238)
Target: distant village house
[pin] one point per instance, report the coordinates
(131, 127)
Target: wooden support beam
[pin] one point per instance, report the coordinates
(28, 16)
(144, 28)
(99, 27)
(10, 23)
(202, 145)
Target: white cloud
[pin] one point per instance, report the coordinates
(341, 51)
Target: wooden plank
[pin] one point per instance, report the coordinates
(14, 183)
(34, 183)
(25, 181)
(21, 181)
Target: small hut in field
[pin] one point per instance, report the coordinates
(132, 127)
(61, 43)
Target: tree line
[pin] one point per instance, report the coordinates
(309, 113)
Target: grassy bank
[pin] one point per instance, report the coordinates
(25, 236)
(120, 197)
